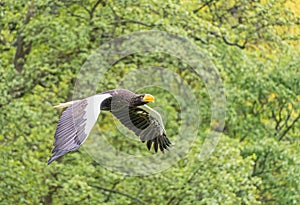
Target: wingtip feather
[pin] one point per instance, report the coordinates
(50, 161)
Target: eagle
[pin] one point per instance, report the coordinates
(129, 108)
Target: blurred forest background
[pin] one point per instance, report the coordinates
(255, 46)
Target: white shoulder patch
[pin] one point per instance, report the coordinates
(93, 110)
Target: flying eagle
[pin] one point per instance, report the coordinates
(129, 108)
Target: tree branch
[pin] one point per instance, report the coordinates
(234, 44)
(196, 38)
(121, 193)
(262, 165)
(202, 6)
(92, 11)
(124, 21)
(113, 188)
(288, 128)
(23, 48)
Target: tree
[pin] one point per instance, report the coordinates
(253, 44)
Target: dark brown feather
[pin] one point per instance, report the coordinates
(143, 125)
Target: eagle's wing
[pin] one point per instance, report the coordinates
(146, 123)
(75, 124)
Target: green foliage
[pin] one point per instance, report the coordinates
(43, 46)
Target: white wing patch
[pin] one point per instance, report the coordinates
(93, 111)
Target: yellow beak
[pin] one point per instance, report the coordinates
(148, 98)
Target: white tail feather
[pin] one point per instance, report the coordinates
(64, 105)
